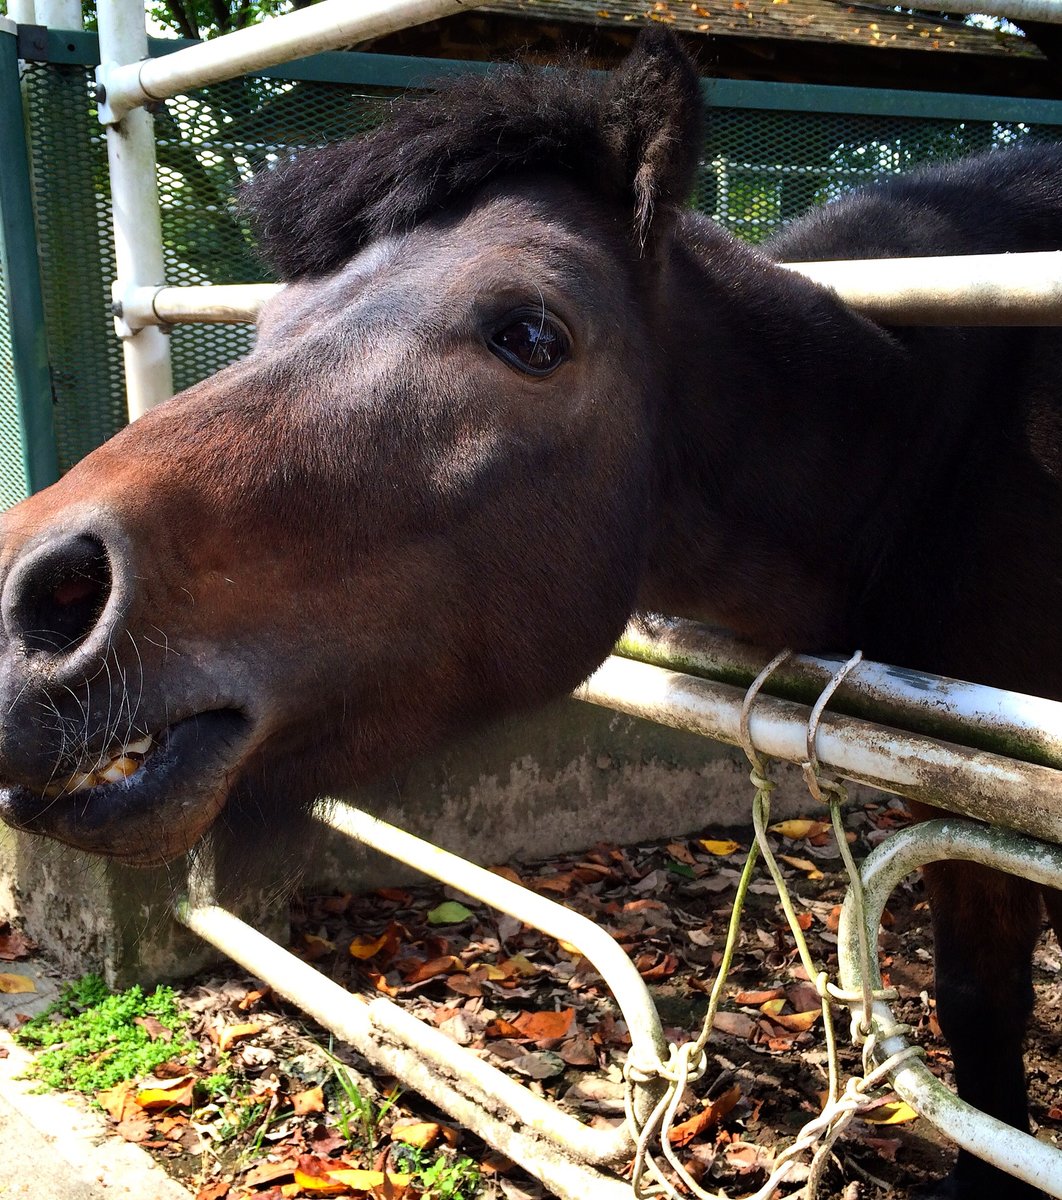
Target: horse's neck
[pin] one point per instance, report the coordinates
(817, 471)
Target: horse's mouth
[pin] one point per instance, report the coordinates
(142, 801)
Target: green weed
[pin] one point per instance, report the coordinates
(438, 1175)
(89, 1039)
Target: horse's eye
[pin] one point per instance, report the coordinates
(533, 344)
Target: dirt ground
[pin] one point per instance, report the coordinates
(522, 1001)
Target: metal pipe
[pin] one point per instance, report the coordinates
(1010, 10)
(201, 303)
(135, 215)
(22, 12)
(648, 1044)
(1008, 723)
(327, 25)
(504, 1113)
(972, 289)
(987, 787)
(59, 14)
(1010, 1149)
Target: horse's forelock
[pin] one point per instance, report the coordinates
(312, 213)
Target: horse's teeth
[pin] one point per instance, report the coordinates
(119, 768)
(140, 746)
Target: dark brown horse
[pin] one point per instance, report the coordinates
(513, 393)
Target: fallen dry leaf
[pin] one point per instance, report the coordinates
(416, 1133)
(709, 1116)
(894, 1113)
(309, 1101)
(167, 1094)
(541, 1027)
(233, 1033)
(720, 849)
(12, 985)
(800, 827)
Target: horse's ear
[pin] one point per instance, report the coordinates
(653, 121)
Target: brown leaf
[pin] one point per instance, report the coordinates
(253, 997)
(755, 999)
(217, 1189)
(309, 1101)
(118, 1101)
(422, 1134)
(736, 1024)
(233, 1033)
(709, 1116)
(14, 944)
(424, 971)
(542, 1027)
(11, 985)
(135, 1129)
(267, 1172)
(578, 1051)
(314, 947)
(154, 1028)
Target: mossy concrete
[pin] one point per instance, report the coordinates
(561, 779)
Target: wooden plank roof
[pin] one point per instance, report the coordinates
(832, 21)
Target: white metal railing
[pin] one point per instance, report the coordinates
(574, 1161)
(974, 289)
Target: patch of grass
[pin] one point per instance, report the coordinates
(358, 1116)
(89, 1039)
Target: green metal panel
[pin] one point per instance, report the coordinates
(27, 438)
(771, 151)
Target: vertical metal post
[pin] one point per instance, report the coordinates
(22, 12)
(135, 212)
(59, 14)
(20, 270)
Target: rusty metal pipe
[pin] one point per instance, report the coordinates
(987, 787)
(1007, 723)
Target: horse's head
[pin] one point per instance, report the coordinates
(418, 503)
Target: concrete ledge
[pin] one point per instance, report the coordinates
(55, 1146)
(557, 780)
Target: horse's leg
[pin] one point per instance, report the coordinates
(985, 924)
(1053, 901)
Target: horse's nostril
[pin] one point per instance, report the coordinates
(54, 599)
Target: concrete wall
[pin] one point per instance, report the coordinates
(560, 779)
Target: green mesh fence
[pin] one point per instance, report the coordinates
(762, 165)
(12, 478)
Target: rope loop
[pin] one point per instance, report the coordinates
(688, 1062)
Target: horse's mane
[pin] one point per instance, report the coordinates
(312, 212)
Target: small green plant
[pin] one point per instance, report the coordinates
(89, 1039)
(358, 1116)
(438, 1175)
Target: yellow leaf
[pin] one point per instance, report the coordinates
(365, 1181)
(363, 947)
(800, 828)
(802, 864)
(416, 1133)
(233, 1033)
(11, 984)
(890, 1114)
(318, 1184)
(167, 1094)
(771, 1008)
(719, 848)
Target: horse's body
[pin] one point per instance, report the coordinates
(511, 394)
